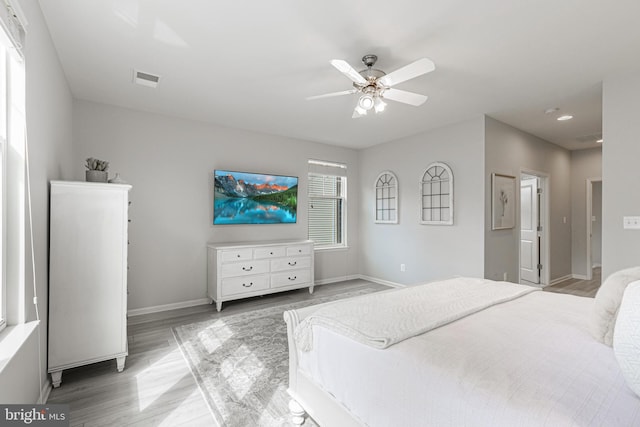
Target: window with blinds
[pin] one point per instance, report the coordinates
(12, 163)
(327, 207)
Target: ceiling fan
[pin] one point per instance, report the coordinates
(375, 85)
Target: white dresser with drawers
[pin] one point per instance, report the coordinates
(242, 270)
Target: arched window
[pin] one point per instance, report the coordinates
(386, 198)
(436, 191)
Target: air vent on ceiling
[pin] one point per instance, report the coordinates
(145, 79)
(589, 138)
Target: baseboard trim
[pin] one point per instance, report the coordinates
(167, 307)
(560, 279)
(45, 392)
(201, 301)
(381, 281)
(579, 277)
(336, 279)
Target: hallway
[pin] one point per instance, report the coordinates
(584, 288)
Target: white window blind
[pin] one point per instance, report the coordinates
(327, 205)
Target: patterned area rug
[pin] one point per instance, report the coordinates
(241, 364)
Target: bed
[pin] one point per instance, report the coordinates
(530, 359)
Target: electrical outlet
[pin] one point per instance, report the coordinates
(631, 222)
(403, 267)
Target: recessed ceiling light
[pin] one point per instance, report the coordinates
(599, 141)
(551, 110)
(565, 117)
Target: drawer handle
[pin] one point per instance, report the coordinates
(300, 250)
(247, 269)
(238, 256)
(247, 286)
(293, 263)
(270, 253)
(293, 278)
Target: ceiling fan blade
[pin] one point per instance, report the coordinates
(415, 69)
(410, 98)
(348, 71)
(329, 95)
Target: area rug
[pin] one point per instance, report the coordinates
(241, 363)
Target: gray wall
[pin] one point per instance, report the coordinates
(585, 164)
(49, 117)
(620, 171)
(170, 161)
(509, 151)
(428, 251)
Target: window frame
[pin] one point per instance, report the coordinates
(380, 200)
(13, 174)
(341, 220)
(3, 232)
(450, 199)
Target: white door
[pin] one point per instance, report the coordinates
(529, 243)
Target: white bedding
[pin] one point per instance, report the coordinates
(527, 362)
(384, 319)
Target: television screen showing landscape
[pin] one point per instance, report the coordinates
(252, 198)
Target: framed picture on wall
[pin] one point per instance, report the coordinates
(503, 201)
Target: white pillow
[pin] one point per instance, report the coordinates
(626, 338)
(607, 303)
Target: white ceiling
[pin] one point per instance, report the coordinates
(251, 64)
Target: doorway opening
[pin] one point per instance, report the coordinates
(534, 218)
(594, 227)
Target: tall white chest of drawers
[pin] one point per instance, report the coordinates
(242, 270)
(87, 275)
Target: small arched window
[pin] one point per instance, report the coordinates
(386, 198)
(436, 191)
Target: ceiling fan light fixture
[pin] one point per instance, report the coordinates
(361, 110)
(366, 102)
(372, 85)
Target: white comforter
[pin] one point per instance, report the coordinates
(384, 319)
(527, 362)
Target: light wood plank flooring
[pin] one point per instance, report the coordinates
(157, 388)
(584, 288)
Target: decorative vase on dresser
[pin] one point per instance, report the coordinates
(242, 270)
(87, 275)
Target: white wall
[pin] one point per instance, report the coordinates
(428, 251)
(585, 164)
(510, 151)
(49, 117)
(620, 171)
(170, 161)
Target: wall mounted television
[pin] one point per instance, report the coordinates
(254, 198)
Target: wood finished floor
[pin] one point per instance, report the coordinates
(583, 288)
(157, 388)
